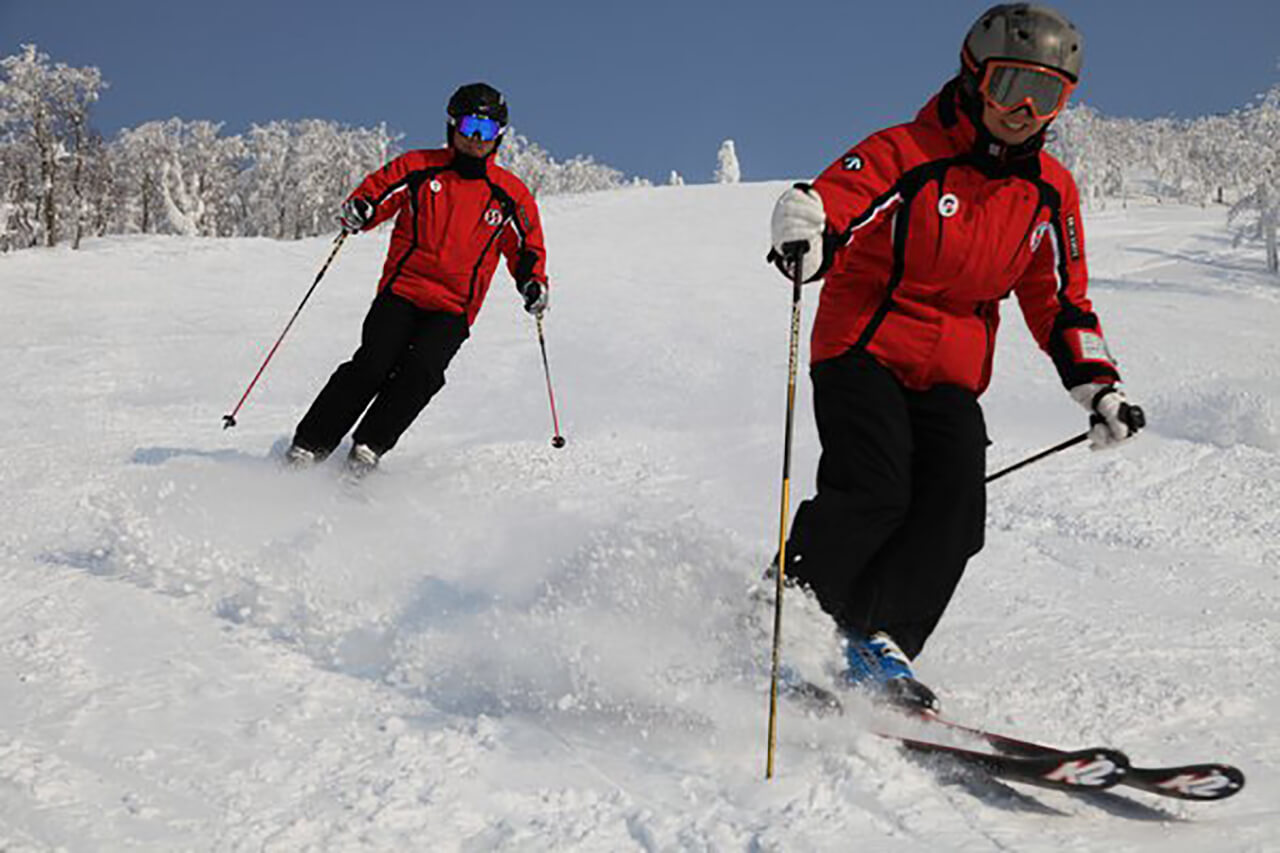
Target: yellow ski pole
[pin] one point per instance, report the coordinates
(795, 251)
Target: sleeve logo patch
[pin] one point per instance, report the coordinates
(493, 216)
(1073, 237)
(853, 163)
(1091, 346)
(1037, 236)
(948, 206)
(436, 186)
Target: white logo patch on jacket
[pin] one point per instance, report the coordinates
(1037, 236)
(948, 206)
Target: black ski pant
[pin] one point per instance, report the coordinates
(398, 367)
(901, 499)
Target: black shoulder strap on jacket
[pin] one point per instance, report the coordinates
(505, 201)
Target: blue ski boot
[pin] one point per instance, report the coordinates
(877, 665)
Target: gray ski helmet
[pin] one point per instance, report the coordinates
(478, 99)
(1027, 32)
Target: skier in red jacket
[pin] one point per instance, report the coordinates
(920, 231)
(456, 211)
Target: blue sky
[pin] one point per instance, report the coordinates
(646, 85)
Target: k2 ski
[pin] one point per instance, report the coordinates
(1196, 782)
(1082, 770)
(1200, 782)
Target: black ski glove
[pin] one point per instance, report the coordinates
(356, 213)
(536, 295)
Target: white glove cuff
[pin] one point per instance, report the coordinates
(1087, 393)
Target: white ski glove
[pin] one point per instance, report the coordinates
(798, 217)
(1114, 419)
(355, 214)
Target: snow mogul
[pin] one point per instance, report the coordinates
(456, 211)
(920, 231)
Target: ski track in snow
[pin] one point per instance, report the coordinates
(493, 645)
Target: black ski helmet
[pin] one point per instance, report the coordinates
(478, 99)
(1024, 31)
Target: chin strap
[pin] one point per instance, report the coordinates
(960, 97)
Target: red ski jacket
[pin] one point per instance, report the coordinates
(452, 221)
(932, 233)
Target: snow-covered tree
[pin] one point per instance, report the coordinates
(298, 172)
(1256, 215)
(544, 175)
(675, 179)
(283, 179)
(1221, 159)
(192, 171)
(727, 169)
(44, 121)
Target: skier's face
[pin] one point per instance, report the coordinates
(1011, 128)
(473, 147)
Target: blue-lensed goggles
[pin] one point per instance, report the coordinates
(486, 129)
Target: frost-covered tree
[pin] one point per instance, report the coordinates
(1211, 162)
(727, 169)
(1222, 159)
(1256, 215)
(193, 172)
(136, 156)
(283, 179)
(44, 122)
(544, 175)
(298, 172)
(675, 179)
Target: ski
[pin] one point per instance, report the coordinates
(1082, 770)
(1204, 782)
(1197, 782)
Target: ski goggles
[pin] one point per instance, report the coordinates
(478, 126)
(1009, 85)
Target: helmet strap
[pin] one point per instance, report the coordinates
(986, 145)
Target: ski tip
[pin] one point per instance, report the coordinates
(1203, 782)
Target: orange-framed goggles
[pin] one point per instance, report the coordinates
(1011, 84)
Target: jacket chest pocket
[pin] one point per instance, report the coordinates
(457, 223)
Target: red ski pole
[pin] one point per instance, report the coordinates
(229, 421)
(557, 440)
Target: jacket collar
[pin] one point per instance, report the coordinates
(955, 115)
(471, 168)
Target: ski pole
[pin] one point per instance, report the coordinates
(229, 421)
(557, 440)
(795, 251)
(1070, 442)
(1132, 416)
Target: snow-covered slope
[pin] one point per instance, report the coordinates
(491, 644)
